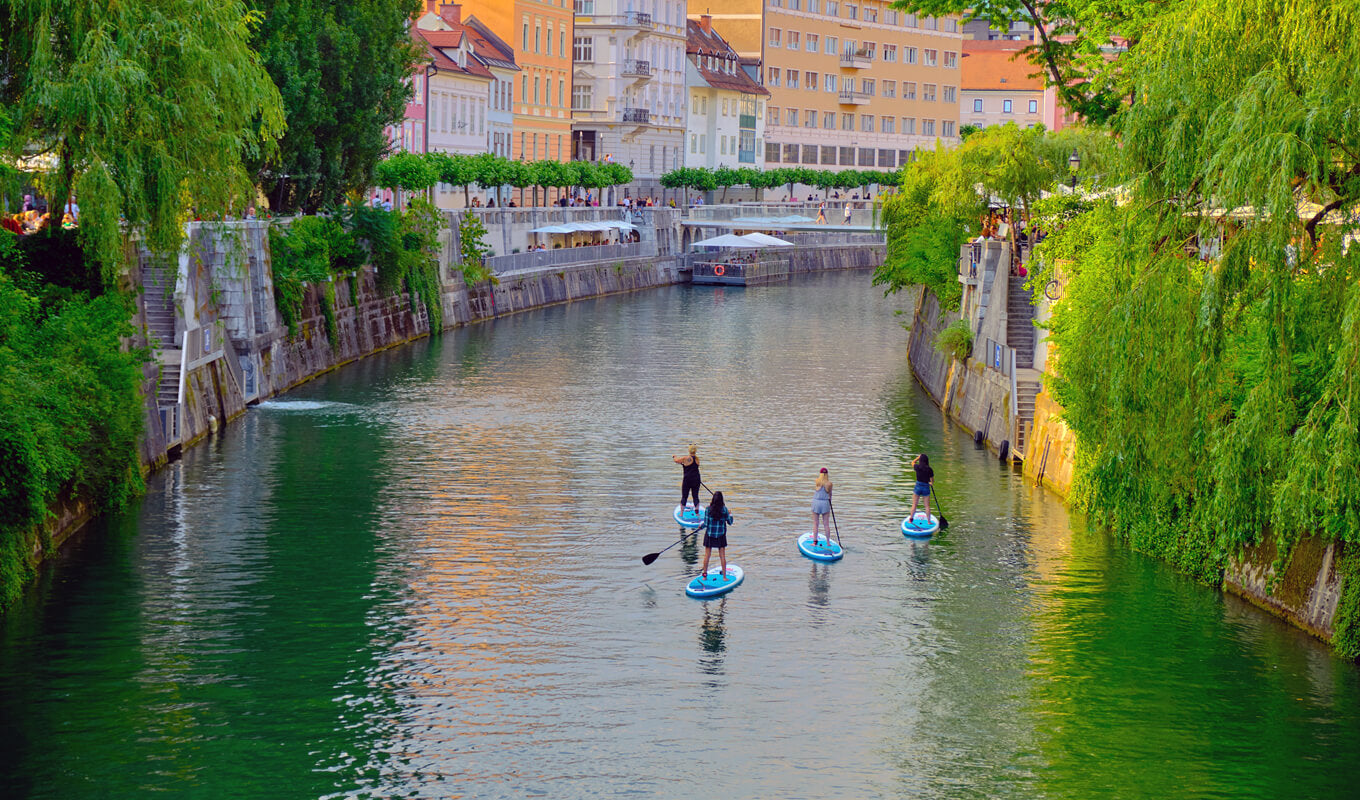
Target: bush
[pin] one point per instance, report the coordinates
(956, 340)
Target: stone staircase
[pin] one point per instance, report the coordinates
(1025, 393)
(159, 302)
(1020, 322)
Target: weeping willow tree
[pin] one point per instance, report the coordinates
(1210, 334)
(149, 107)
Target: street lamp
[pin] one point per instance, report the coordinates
(1074, 164)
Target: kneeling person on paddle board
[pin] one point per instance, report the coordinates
(690, 481)
(821, 506)
(716, 533)
(925, 478)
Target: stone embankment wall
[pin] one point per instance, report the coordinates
(1306, 592)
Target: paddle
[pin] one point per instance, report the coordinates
(833, 522)
(944, 523)
(650, 557)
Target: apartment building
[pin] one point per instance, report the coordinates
(857, 84)
(1000, 85)
(726, 122)
(628, 100)
(540, 31)
(499, 59)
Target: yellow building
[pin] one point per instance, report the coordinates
(852, 84)
(540, 31)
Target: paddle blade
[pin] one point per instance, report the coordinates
(944, 523)
(650, 557)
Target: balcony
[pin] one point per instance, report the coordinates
(857, 59)
(852, 97)
(747, 122)
(636, 68)
(746, 156)
(638, 116)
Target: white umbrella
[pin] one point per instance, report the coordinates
(726, 240)
(766, 240)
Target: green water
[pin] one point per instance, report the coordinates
(420, 576)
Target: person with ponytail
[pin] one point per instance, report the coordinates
(821, 505)
(690, 481)
(925, 478)
(716, 533)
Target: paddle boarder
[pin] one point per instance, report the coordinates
(690, 481)
(925, 478)
(716, 534)
(821, 505)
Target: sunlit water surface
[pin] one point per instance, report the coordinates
(420, 576)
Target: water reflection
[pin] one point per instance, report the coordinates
(819, 590)
(713, 636)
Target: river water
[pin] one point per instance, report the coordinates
(420, 576)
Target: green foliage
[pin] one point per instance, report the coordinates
(419, 259)
(1217, 401)
(412, 172)
(150, 109)
(473, 250)
(955, 340)
(1346, 623)
(70, 412)
(301, 254)
(342, 67)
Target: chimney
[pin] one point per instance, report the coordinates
(706, 22)
(451, 13)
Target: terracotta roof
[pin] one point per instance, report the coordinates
(436, 42)
(488, 47)
(700, 43)
(998, 66)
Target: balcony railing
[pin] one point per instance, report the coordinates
(637, 68)
(639, 115)
(852, 97)
(857, 59)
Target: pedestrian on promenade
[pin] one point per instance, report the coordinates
(821, 214)
(690, 481)
(716, 534)
(821, 505)
(925, 478)
(847, 214)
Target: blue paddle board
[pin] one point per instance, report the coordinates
(713, 583)
(920, 526)
(689, 518)
(824, 550)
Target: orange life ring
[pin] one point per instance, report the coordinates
(720, 270)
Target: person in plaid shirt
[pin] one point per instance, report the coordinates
(716, 534)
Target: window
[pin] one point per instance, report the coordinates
(791, 78)
(928, 92)
(870, 15)
(776, 37)
(582, 96)
(947, 127)
(814, 6)
(890, 52)
(951, 60)
(828, 154)
(1005, 106)
(795, 5)
(724, 107)
(794, 41)
(773, 78)
(831, 45)
(977, 105)
(866, 123)
(791, 117)
(584, 6)
(810, 118)
(523, 97)
(950, 94)
(847, 122)
(772, 116)
(561, 92)
(867, 86)
(909, 55)
(847, 156)
(930, 24)
(703, 143)
(832, 10)
(1034, 106)
(722, 145)
(889, 124)
(791, 154)
(536, 96)
(851, 11)
(525, 46)
(890, 88)
(909, 20)
(951, 25)
(813, 42)
(927, 127)
(909, 125)
(829, 120)
(771, 153)
(830, 82)
(810, 81)
(868, 49)
(889, 16)
(583, 49)
(562, 41)
(908, 90)
(538, 38)
(930, 58)
(549, 42)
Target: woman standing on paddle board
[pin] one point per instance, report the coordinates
(716, 535)
(691, 481)
(925, 478)
(821, 505)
